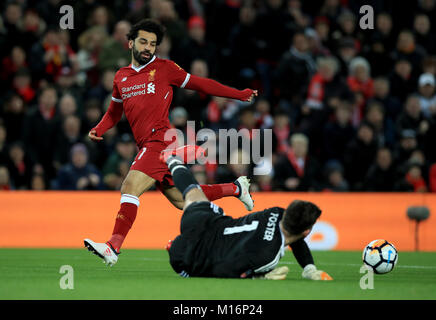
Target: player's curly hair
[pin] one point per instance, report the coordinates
(148, 25)
(299, 216)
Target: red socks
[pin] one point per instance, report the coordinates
(124, 220)
(218, 191)
(129, 207)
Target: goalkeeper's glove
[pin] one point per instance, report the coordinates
(312, 273)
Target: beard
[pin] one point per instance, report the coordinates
(139, 56)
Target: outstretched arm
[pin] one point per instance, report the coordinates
(110, 118)
(302, 253)
(215, 88)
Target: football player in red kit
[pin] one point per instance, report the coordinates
(143, 91)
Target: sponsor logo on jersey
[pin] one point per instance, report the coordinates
(138, 89)
(270, 226)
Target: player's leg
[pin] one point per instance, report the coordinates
(185, 182)
(133, 186)
(135, 183)
(239, 188)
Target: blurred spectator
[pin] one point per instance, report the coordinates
(325, 91)
(104, 87)
(5, 183)
(401, 80)
(196, 46)
(125, 152)
(296, 170)
(427, 94)
(19, 166)
(48, 56)
(338, 133)
(359, 156)
(90, 43)
(412, 179)
(67, 83)
(263, 114)
(423, 35)
(163, 51)
(41, 128)
(3, 146)
(222, 113)
(347, 23)
(294, 71)
(384, 127)
(67, 106)
(391, 104)
(68, 137)
(381, 176)
(408, 49)
(101, 17)
(168, 16)
(178, 120)
(11, 16)
(334, 177)
(13, 115)
(115, 52)
(380, 44)
(432, 178)
(195, 101)
(347, 51)
(271, 18)
(281, 131)
(407, 144)
(22, 84)
(243, 46)
(413, 118)
(16, 60)
(427, 7)
(78, 174)
(238, 165)
(360, 82)
(38, 183)
(294, 8)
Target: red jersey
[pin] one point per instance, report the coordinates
(145, 95)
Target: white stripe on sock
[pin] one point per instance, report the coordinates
(128, 198)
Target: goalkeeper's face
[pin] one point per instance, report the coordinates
(144, 47)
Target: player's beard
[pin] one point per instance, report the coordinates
(138, 55)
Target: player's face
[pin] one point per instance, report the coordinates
(144, 47)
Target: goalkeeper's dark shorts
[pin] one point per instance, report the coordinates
(192, 247)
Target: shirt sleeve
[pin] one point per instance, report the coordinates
(177, 75)
(116, 97)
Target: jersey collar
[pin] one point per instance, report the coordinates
(137, 69)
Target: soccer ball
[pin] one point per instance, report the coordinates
(380, 256)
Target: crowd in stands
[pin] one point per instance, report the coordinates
(350, 109)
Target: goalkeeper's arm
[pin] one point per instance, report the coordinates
(302, 253)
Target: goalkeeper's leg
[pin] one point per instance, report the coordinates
(185, 182)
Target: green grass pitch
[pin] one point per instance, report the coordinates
(146, 274)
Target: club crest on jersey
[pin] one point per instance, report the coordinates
(151, 75)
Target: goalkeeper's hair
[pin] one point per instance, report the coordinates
(148, 25)
(299, 216)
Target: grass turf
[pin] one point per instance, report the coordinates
(146, 274)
